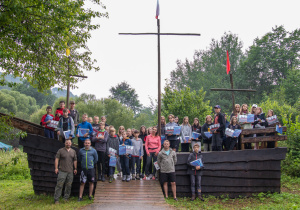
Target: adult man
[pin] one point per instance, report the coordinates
(166, 160)
(217, 137)
(66, 157)
(74, 113)
(88, 158)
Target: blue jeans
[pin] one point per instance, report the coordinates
(149, 163)
(49, 133)
(195, 183)
(135, 161)
(111, 170)
(125, 164)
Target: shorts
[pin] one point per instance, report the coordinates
(167, 177)
(87, 175)
(174, 144)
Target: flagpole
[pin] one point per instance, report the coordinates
(232, 94)
(159, 77)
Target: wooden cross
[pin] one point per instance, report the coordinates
(232, 90)
(159, 75)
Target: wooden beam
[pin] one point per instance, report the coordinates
(167, 34)
(262, 130)
(226, 89)
(264, 138)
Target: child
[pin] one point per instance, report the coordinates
(217, 137)
(125, 158)
(196, 127)
(253, 109)
(113, 142)
(84, 125)
(143, 135)
(59, 111)
(236, 111)
(90, 120)
(232, 141)
(137, 155)
(205, 128)
(195, 172)
(74, 113)
(129, 133)
(96, 127)
(225, 139)
(174, 142)
(65, 123)
(46, 119)
(186, 130)
(259, 122)
(100, 146)
(271, 144)
(103, 119)
(246, 125)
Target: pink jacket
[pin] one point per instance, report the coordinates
(152, 144)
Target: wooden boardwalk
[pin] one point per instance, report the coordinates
(136, 194)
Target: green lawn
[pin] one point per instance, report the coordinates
(18, 194)
(289, 198)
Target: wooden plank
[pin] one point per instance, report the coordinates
(237, 156)
(38, 152)
(264, 139)
(262, 130)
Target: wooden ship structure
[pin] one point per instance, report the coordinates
(228, 173)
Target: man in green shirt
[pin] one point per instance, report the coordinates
(66, 158)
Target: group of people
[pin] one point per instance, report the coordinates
(149, 148)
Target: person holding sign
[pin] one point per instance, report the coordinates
(259, 122)
(205, 129)
(59, 111)
(195, 172)
(125, 158)
(246, 125)
(272, 122)
(46, 119)
(66, 127)
(152, 147)
(100, 140)
(137, 155)
(166, 160)
(186, 135)
(196, 135)
(232, 141)
(217, 137)
(174, 142)
(85, 126)
(113, 142)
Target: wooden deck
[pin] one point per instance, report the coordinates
(136, 194)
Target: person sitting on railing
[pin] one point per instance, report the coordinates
(259, 122)
(271, 144)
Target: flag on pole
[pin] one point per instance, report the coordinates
(157, 10)
(67, 49)
(228, 64)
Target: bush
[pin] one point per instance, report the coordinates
(14, 166)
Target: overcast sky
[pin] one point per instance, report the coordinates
(134, 58)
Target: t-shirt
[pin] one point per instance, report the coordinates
(66, 159)
(167, 152)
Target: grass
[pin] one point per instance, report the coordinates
(19, 194)
(289, 198)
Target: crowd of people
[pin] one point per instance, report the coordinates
(149, 148)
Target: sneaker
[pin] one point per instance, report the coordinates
(99, 178)
(124, 178)
(133, 178)
(128, 178)
(103, 178)
(91, 198)
(80, 199)
(145, 178)
(111, 179)
(119, 174)
(138, 177)
(153, 177)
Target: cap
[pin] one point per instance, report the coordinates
(254, 105)
(72, 102)
(217, 106)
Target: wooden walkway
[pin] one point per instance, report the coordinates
(136, 194)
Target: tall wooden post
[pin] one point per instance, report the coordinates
(68, 87)
(232, 93)
(159, 77)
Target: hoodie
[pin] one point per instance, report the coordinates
(88, 158)
(112, 142)
(186, 130)
(137, 147)
(85, 125)
(100, 144)
(192, 169)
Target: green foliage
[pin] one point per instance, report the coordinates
(14, 166)
(292, 86)
(46, 98)
(126, 95)
(33, 40)
(7, 132)
(185, 103)
(146, 118)
(37, 116)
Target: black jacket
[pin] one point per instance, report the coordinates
(262, 117)
(204, 128)
(221, 121)
(192, 169)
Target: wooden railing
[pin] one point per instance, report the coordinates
(264, 138)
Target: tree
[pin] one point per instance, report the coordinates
(46, 98)
(208, 70)
(146, 117)
(126, 95)
(292, 86)
(34, 36)
(185, 102)
(269, 60)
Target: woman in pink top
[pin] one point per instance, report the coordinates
(152, 147)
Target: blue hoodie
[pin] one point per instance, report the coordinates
(85, 125)
(88, 158)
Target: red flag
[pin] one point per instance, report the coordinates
(228, 64)
(157, 10)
